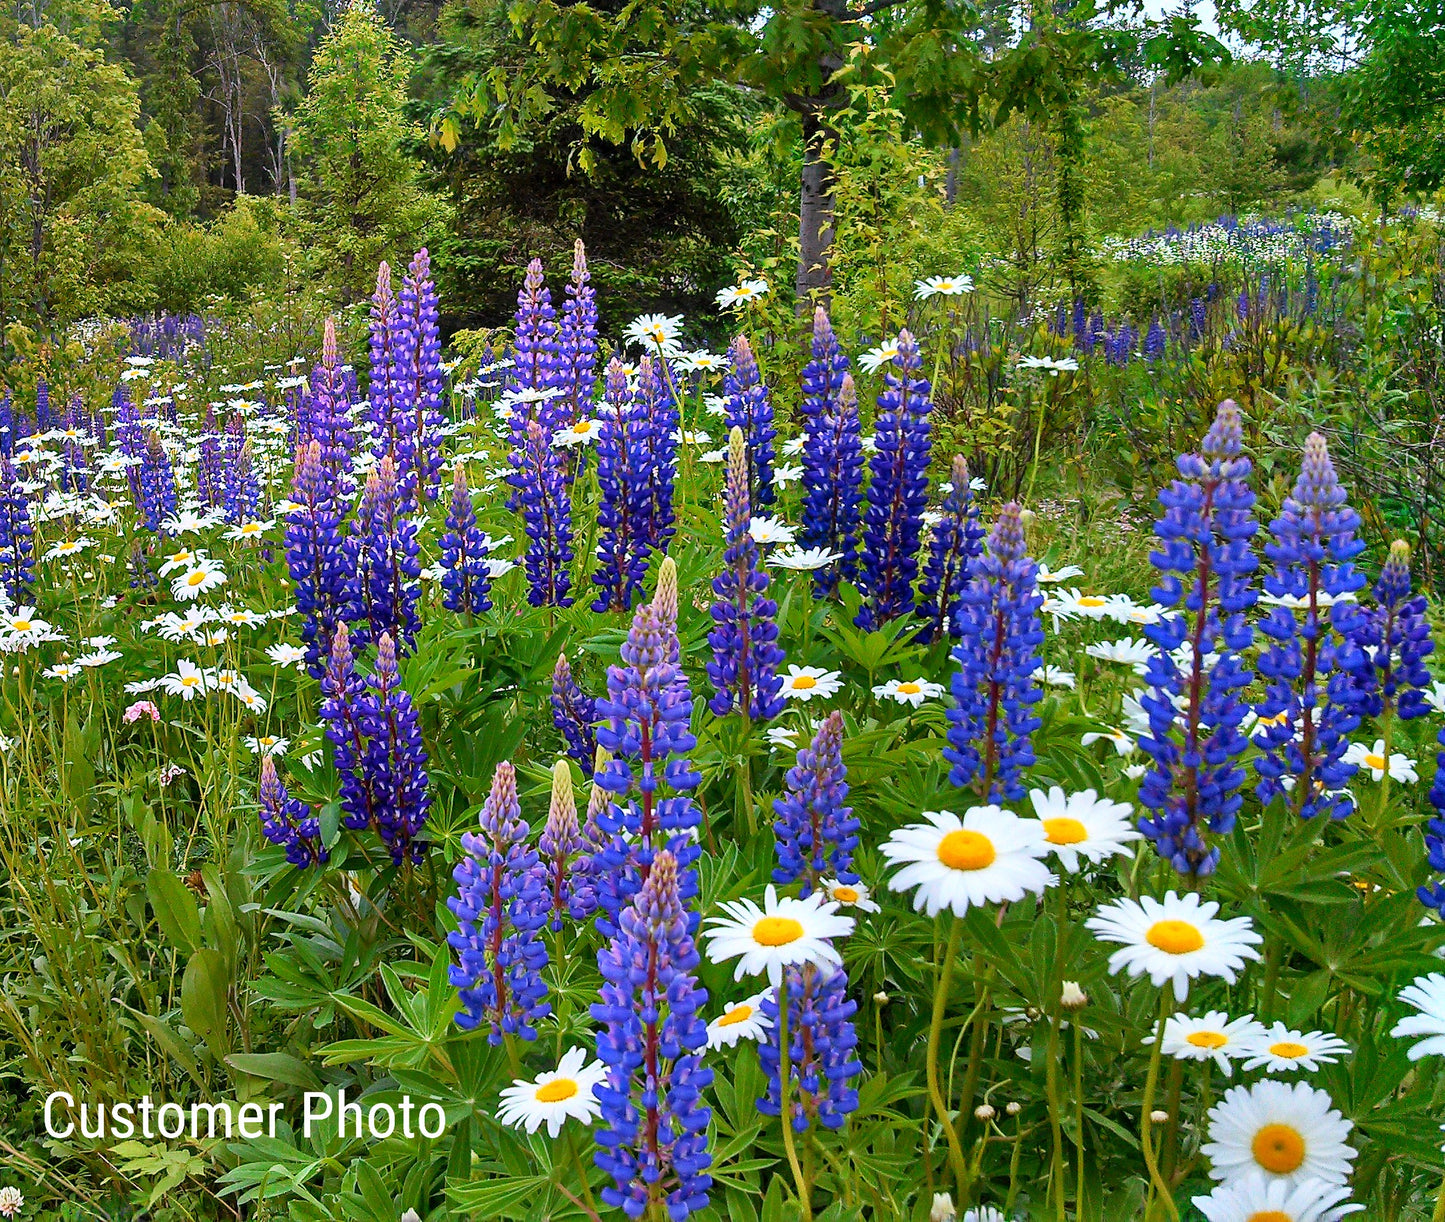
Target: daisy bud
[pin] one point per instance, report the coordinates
(881, 998)
(1158, 1116)
(1072, 996)
(1013, 1107)
(984, 1112)
(942, 1210)
(411, 1215)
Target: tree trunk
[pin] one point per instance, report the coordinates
(815, 217)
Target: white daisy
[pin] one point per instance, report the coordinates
(286, 654)
(1401, 767)
(187, 681)
(742, 294)
(987, 857)
(1212, 1037)
(183, 559)
(1128, 652)
(942, 286)
(741, 1020)
(784, 932)
(1280, 1050)
(64, 671)
(1426, 994)
(1176, 939)
(554, 1097)
(849, 895)
(1115, 737)
(1083, 825)
(1051, 365)
(244, 531)
(1054, 676)
(1048, 577)
(1279, 1130)
(875, 358)
(584, 432)
(806, 682)
(1259, 1198)
(909, 691)
(1071, 604)
(267, 744)
(800, 559)
(1435, 696)
(770, 530)
(204, 577)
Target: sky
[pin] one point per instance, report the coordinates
(1203, 8)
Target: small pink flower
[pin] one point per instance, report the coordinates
(170, 773)
(141, 708)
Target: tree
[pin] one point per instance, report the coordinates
(360, 199)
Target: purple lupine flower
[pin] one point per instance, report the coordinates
(565, 858)
(574, 713)
(664, 421)
(157, 484)
(1389, 643)
(652, 1136)
(624, 477)
(1432, 893)
(315, 556)
(419, 371)
(343, 691)
(745, 653)
(17, 551)
(240, 489)
(210, 466)
(540, 479)
(75, 462)
(815, 833)
(387, 406)
(288, 822)
(328, 410)
(534, 345)
(990, 730)
(953, 550)
(749, 408)
(500, 906)
(43, 418)
(395, 759)
(1154, 340)
(1192, 787)
(821, 1040)
(822, 379)
(383, 564)
(467, 584)
(576, 345)
(833, 488)
(1307, 708)
(898, 491)
(7, 423)
(644, 728)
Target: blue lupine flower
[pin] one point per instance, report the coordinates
(342, 693)
(1307, 707)
(822, 379)
(1391, 641)
(534, 345)
(500, 905)
(748, 407)
(898, 492)
(625, 478)
(240, 489)
(644, 727)
(1432, 894)
(816, 834)
(833, 487)
(288, 822)
(467, 583)
(419, 370)
(386, 392)
(990, 730)
(576, 346)
(745, 654)
(540, 480)
(652, 1136)
(821, 1040)
(1154, 340)
(383, 562)
(664, 421)
(1205, 532)
(210, 473)
(565, 859)
(328, 410)
(574, 713)
(17, 550)
(953, 550)
(315, 555)
(157, 484)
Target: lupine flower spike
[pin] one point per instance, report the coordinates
(953, 550)
(833, 488)
(467, 582)
(749, 409)
(1192, 787)
(574, 713)
(816, 833)
(570, 892)
(821, 1040)
(287, 821)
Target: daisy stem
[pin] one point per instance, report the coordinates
(1079, 1118)
(935, 1032)
(1151, 1084)
(581, 1172)
(785, 1073)
(1439, 1214)
(1056, 1133)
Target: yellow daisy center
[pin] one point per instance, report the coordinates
(20, 625)
(909, 688)
(777, 931)
(1207, 1039)
(845, 895)
(1277, 720)
(1091, 600)
(1290, 1050)
(189, 681)
(556, 1090)
(1174, 937)
(803, 683)
(1279, 1149)
(1269, 1215)
(1374, 761)
(195, 579)
(738, 1014)
(1064, 830)
(966, 850)
(580, 427)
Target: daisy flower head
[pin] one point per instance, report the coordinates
(1053, 366)
(1280, 1050)
(1281, 1131)
(1259, 1198)
(554, 1097)
(656, 333)
(1071, 604)
(1435, 696)
(244, 531)
(741, 1020)
(909, 691)
(1211, 1037)
(267, 744)
(187, 681)
(1127, 652)
(803, 559)
(784, 932)
(805, 682)
(942, 286)
(286, 654)
(1427, 995)
(1083, 826)
(64, 671)
(1175, 939)
(766, 531)
(583, 433)
(1400, 767)
(1054, 676)
(1115, 737)
(742, 294)
(848, 895)
(987, 857)
(1051, 577)
(875, 358)
(201, 578)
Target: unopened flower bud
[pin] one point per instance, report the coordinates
(942, 1210)
(881, 998)
(1013, 1107)
(984, 1112)
(1158, 1116)
(1072, 996)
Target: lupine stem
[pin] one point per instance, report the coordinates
(935, 1032)
(785, 1073)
